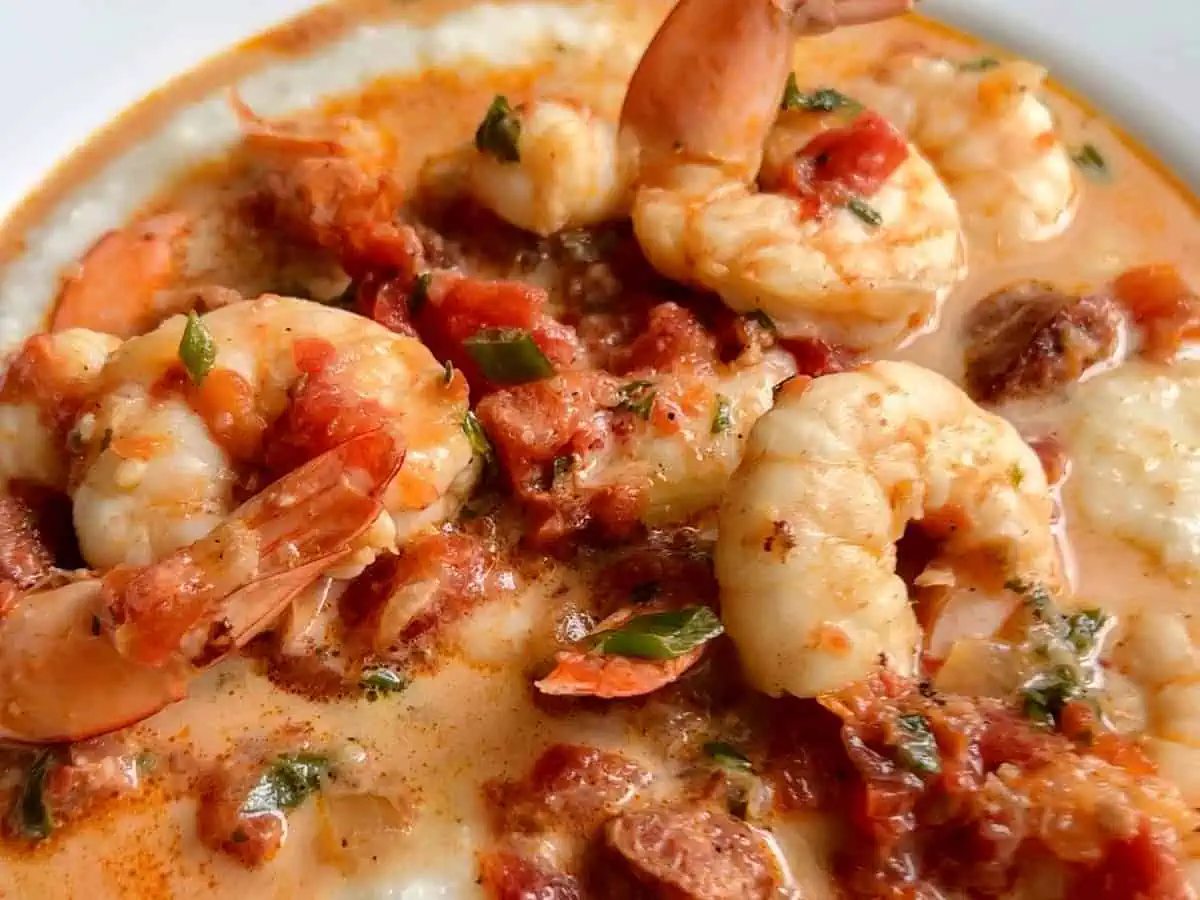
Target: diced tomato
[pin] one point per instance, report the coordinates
(323, 414)
(384, 298)
(311, 355)
(815, 357)
(227, 403)
(673, 337)
(1163, 305)
(852, 161)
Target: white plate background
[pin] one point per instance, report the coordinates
(69, 66)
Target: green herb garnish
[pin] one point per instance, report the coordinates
(418, 294)
(286, 783)
(637, 397)
(869, 214)
(727, 756)
(379, 681)
(32, 814)
(722, 418)
(664, 635)
(499, 134)
(197, 350)
(917, 749)
(508, 356)
(1044, 696)
(820, 100)
(982, 64)
(477, 436)
(1084, 629)
(1091, 163)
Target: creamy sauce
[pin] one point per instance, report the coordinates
(427, 751)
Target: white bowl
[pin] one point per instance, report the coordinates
(69, 66)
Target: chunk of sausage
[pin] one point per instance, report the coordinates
(571, 787)
(693, 854)
(505, 875)
(1031, 339)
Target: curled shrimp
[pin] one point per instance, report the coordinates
(806, 547)
(562, 170)
(164, 456)
(859, 250)
(97, 654)
(120, 286)
(330, 184)
(42, 388)
(989, 136)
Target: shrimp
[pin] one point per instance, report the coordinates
(100, 653)
(121, 286)
(806, 545)
(331, 185)
(857, 243)
(1160, 656)
(163, 458)
(41, 390)
(559, 167)
(987, 133)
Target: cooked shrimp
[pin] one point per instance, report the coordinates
(806, 546)
(857, 243)
(41, 390)
(1160, 655)
(163, 456)
(987, 133)
(556, 167)
(98, 654)
(1134, 435)
(120, 285)
(330, 184)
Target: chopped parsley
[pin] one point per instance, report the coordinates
(286, 783)
(1044, 696)
(499, 134)
(869, 214)
(982, 64)
(379, 681)
(1091, 162)
(727, 756)
(917, 748)
(664, 635)
(197, 350)
(418, 295)
(477, 436)
(722, 419)
(820, 100)
(637, 397)
(1084, 629)
(31, 815)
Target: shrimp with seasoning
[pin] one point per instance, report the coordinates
(94, 655)
(858, 241)
(989, 136)
(832, 476)
(42, 388)
(165, 451)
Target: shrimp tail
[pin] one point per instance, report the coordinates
(213, 596)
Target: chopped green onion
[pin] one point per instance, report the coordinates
(727, 756)
(869, 214)
(32, 814)
(917, 750)
(982, 64)
(419, 294)
(508, 356)
(820, 100)
(197, 350)
(286, 783)
(664, 635)
(637, 397)
(499, 133)
(1091, 163)
(722, 419)
(477, 436)
(379, 681)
